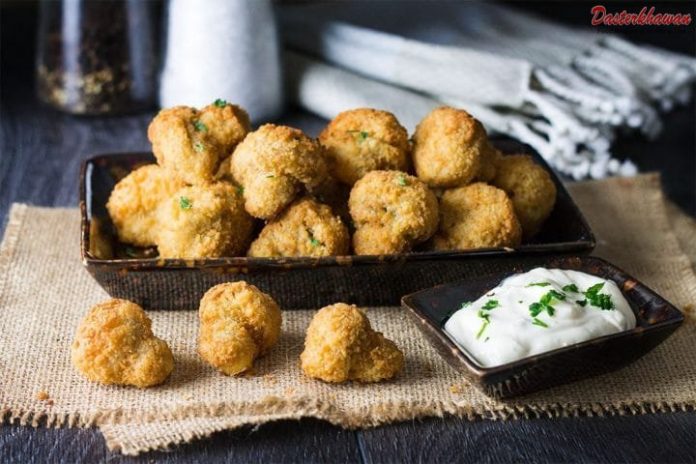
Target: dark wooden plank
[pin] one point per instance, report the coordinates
(291, 441)
(659, 438)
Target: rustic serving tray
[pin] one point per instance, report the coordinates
(656, 320)
(139, 275)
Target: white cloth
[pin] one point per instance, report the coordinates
(227, 49)
(563, 91)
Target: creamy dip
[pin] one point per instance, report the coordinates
(538, 311)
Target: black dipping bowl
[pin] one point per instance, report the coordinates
(140, 276)
(656, 320)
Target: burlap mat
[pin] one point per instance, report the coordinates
(44, 291)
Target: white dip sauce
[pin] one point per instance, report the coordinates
(538, 311)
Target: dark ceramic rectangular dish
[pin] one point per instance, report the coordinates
(656, 320)
(296, 282)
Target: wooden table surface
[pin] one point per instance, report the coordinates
(39, 160)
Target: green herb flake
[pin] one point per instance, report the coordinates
(466, 304)
(185, 203)
(482, 329)
(199, 126)
(359, 135)
(402, 181)
(269, 176)
(539, 322)
(490, 304)
(582, 303)
(539, 284)
(313, 240)
(240, 190)
(571, 288)
(131, 252)
(600, 300)
(198, 146)
(220, 103)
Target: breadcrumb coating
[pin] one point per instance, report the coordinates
(392, 211)
(341, 345)
(273, 164)
(134, 201)
(531, 189)
(203, 222)
(114, 344)
(451, 149)
(191, 143)
(362, 140)
(476, 216)
(238, 323)
(306, 228)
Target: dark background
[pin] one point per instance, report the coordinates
(40, 154)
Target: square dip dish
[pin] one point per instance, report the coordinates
(656, 319)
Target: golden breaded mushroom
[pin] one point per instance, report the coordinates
(341, 345)
(238, 323)
(362, 140)
(451, 148)
(207, 221)
(476, 216)
(306, 228)
(191, 144)
(273, 164)
(114, 344)
(531, 189)
(392, 212)
(134, 200)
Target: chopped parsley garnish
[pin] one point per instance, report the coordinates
(539, 322)
(313, 240)
(539, 284)
(402, 181)
(199, 126)
(269, 176)
(483, 314)
(185, 203)
(198, 146)
(361, 136)
(582, 303)
(600, 300)
(571, 288)
(466, 304)
(131, 252)
(544, 304)
(240, 190)
(220, 103)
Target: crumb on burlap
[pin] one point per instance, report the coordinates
(42, 395)
(270, 379)
(289, 391)
(455, 389)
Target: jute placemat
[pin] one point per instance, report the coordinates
(44, 291)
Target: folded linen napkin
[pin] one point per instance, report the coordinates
(563, 91)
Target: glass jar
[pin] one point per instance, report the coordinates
(97, 57)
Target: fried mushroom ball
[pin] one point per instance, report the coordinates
(206, 221)
(341, 345)
(273, 164)
(362, 140)
(531, 189)
(134, 200)
(392, 212)
(192, 143)
(451, 148)
(306, 228)
(114, 344)
(476, 216)
(238, 323)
